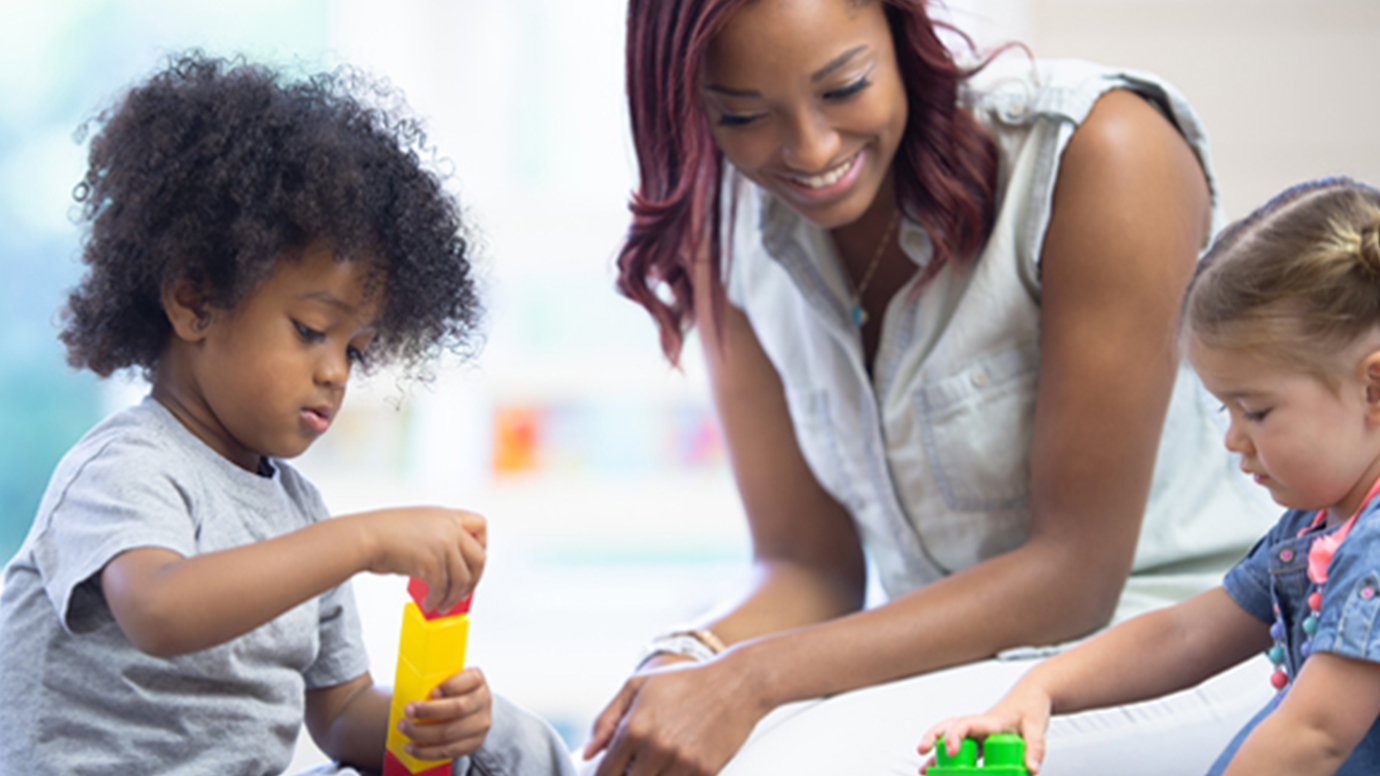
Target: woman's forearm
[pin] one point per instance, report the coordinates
(1028, 596)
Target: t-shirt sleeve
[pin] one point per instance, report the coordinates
(341, 656)
(1351, 597)
(1248, 582)
(108, 504)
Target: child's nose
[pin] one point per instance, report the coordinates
(333, 369)
(1237, 441)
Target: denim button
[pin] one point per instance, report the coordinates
(1286, 554)
(1367, 592)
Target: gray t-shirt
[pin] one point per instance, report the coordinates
(79, 698)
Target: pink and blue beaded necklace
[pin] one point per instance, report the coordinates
(1320, 554)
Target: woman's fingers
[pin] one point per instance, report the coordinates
(606, 724)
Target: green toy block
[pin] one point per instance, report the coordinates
(1003, 754)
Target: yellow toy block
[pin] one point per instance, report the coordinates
(430, 650)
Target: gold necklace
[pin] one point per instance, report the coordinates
(859, 315)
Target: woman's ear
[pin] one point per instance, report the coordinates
(185, 307)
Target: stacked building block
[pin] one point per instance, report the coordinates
(431, 650)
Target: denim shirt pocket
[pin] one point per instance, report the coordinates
(1356, 627)
(977, 427)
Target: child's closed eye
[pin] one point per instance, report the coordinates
(308, 334)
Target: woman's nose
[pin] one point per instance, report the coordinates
(811, 145)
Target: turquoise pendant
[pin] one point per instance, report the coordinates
(859, 316)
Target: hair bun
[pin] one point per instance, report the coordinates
(1369, 250)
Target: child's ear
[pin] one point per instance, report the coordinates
(1370, 376)
(185, 307)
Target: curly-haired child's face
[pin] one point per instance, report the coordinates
(267, 377)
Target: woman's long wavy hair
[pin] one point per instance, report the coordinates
(945, 169)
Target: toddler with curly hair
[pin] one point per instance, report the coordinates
(181, 604)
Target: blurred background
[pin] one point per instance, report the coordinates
(613, 516)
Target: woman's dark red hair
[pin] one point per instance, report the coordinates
(945, 168)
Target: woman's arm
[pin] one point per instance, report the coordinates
(1329, 708)
(1130, 215)
(170, 605)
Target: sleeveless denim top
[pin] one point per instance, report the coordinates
(931, 455)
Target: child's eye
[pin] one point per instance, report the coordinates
(1257, 416)
(355, 355)
(849, 90)
(310, 335)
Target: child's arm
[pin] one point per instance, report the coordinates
(348, 721)
(1324, 715)
(170, 605)
(1145, 657)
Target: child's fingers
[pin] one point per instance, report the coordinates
(1033, 732)
(459, 746)
(932, 735)
(462, 695)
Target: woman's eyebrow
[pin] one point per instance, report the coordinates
(839, 61)
(816, 77)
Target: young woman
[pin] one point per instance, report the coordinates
(938, 306)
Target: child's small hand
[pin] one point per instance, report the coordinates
(1024, 711)
(454, 722)
(442, 547)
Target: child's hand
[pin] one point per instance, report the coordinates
(1024, 711)
(442, 547)
(454, 722)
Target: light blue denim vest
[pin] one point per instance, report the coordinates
(932, 457)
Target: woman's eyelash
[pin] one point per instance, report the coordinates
(733, 120)
(849, 90)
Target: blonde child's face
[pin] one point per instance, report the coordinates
(1310, 446)
(269, 376)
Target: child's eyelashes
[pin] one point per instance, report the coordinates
(355, 355)
(1251, 416)
(309, 334)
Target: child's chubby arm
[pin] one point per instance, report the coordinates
(1326, 712)
(1145, 657)
(168, 604)
(348, 721)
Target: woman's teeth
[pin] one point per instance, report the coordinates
(828, 178)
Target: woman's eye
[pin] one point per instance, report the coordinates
(735, 119)
(310, 335)
(849, 90)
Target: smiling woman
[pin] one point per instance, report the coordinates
(938, 304)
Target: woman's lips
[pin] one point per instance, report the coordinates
(827, 184)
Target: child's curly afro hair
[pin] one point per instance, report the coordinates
(214, 170)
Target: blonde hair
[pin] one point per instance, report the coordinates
(1295, 281)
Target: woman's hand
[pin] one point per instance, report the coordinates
(1024, 711)
(442, 547)
(682, 718)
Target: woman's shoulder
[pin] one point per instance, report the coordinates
(1015, 89)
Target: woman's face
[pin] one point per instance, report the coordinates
(804, 97)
